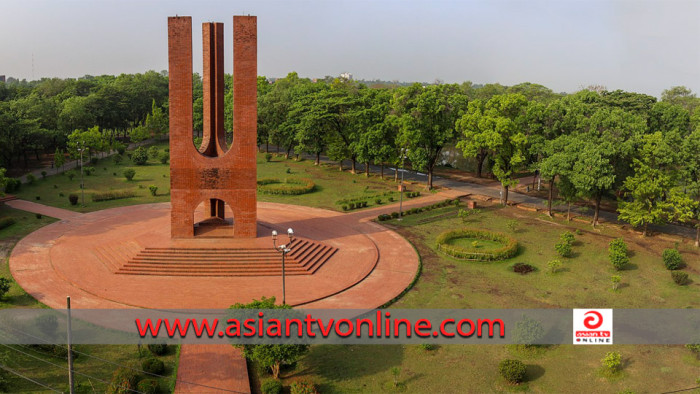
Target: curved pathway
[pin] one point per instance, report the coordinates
(54, 262)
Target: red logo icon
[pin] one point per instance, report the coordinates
(593, 322)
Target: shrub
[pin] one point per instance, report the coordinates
(158, 349)
(427, 346)
(153, 152)
(512, 225)
(43, 174)
(164, 157)
(88, 170)
(93, 160)
(153, 365)
(288, 187)
(4, 287)
(303, 387)
(123, 381)
(268, 157)
(121, 148)
(12, 185)
(70, 174)
(113, 195)
(38, 198)
(694, 347)
(31, 178)
(527, 331)
(73, 198)
(129, 174)
(679, 277)
(672, 259)
(271, 386)
(563, 248)
(61, 194)
(383, 217)
(394, 215)
(345, 207)
(38, 216)
(391, 199)
(148, 386)
(153, 189)
(612, 362)
(6, 222)
(617, 253)
(554, 265)
(615, 279)
(139, 156)
(288, 170)
(512, 371)
(118, 159)
(377, 200)
(568, 237)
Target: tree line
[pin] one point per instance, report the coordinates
(590, 145)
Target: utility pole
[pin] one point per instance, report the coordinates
(71, 380)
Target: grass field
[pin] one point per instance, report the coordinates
(331, 184)
(583, 281)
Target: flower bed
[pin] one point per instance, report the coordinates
(508, 250)
(288, 187)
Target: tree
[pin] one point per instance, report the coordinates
(427, 117)
(499, 127)
(333, 107)
(59, 159)
(270, 356)
(376, 139)
(157, 122)
(593, 174)
(685, 198)
(3, 181)
(558, 161)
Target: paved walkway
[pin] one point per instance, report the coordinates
(45, 210)
(373, 265)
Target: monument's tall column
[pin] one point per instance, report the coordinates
(180, 90)
(245, 119)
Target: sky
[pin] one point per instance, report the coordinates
(643, 46)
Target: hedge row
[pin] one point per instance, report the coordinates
(411, 211)
(288, 187)
(348, 201)
(6, 222)
(113, 195)
(509, 249)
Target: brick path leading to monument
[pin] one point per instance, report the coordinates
(42, 209)
(372, 266)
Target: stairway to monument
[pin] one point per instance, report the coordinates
(305, 258)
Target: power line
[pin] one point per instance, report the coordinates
(12, 371)
(681, 390)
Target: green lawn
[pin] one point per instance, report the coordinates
(331, 184)
(583, 281)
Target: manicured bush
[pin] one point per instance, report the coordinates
(528, 332)
(12, 185)
(563, 248)
(148, 386)
(88, 170)
(4, 287)
(508, 250)
(268, 157)
(118, 159)
(123, 381)
(615, 280)
(139, 156)
(612, 362)
(158, 349)
(345, 207)
(164, 157)
(153, 365)
(391, 199)
(512, 225)
(271, 386)
(6, 222)
(70, 174)
(672, 259)
(303, 387)
(129, 174)
(113, 195)
(427, 346)
(554, 266)
(568, 237)
(679, 277)
(38, 216)
(394, 215)
(153, 152)
(377, 200)
(73, 198)
(31, 178)
(43, 174)
(288, 187)
(153, 189)
(617, 253)
(523, 268)
(512, 371)
(383, 217)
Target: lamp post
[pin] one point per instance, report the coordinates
(82, 184)
(401, 186)
(284, 249)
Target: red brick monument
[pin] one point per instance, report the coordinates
(215, 174)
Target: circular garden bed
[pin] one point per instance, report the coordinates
(477, 245)
(288, 186)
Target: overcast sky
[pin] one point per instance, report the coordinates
(642, 46)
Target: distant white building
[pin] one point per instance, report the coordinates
(346, 76)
